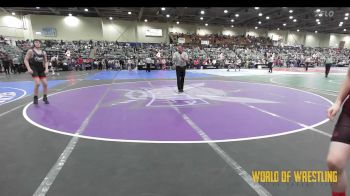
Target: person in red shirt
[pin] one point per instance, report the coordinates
(79, 63)
(196, 63)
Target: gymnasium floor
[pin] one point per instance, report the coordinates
(130, 134)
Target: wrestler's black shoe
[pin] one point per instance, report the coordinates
(45, 100)
(35, 100)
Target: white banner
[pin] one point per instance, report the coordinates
(181, 40)
(205, 42)
(154, 32)
(49, 32)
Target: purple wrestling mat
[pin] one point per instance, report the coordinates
(145, 111)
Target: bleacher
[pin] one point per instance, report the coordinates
(219, 55)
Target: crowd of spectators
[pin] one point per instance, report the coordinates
(92, 54)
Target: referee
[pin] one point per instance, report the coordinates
(329, 62)
(180, 59)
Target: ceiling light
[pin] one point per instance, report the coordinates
(315, 31)
(70, 14)
(232, 26)
(344, 30)
(320, 15)
(13, 13)
(237, 15)
(37, 7)
(110, 18)
(256, 8)
(256, 27)
(129, 13)
(201, 18)
(177, 22)
(86, 10)
(278, 29)
(163, 8)
(284, 24)
(290, 11)
(317, 20)
(202, 12)
(267, 17)
(298, 30)
(318, 10)
(225, 11)
(346, 14)
(232, 20)
(295, 20)
(260, 14)
(346, 18)
(259, 22)
(167, 15)
(206, 24)
(290, 17)
(146, 20)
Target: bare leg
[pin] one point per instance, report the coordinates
(36, 86)
(337, 159)
(44, 82)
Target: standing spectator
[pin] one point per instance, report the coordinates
(117, 65)
(15, 62)
(79, 64)
(307, 63)
(239, 64)
(163, 62)
(196, 63)
(104, 63)
(129, 64)
(54, 64)
(100, 64)
(6, 63)
(148, 64)
(121, 62)
(95, 64)
(270, 63)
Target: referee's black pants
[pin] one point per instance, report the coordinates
(269, 65)
(328, 68)
(180, 75)
(306, 66)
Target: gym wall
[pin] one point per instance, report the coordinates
(85, 28)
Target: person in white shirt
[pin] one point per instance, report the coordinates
(221, 59)
(117, 65)
(15, 63)
(148, 64)
(269, 64)
(54, 64)
(238, 64)
(180, 59)
(129, 64)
